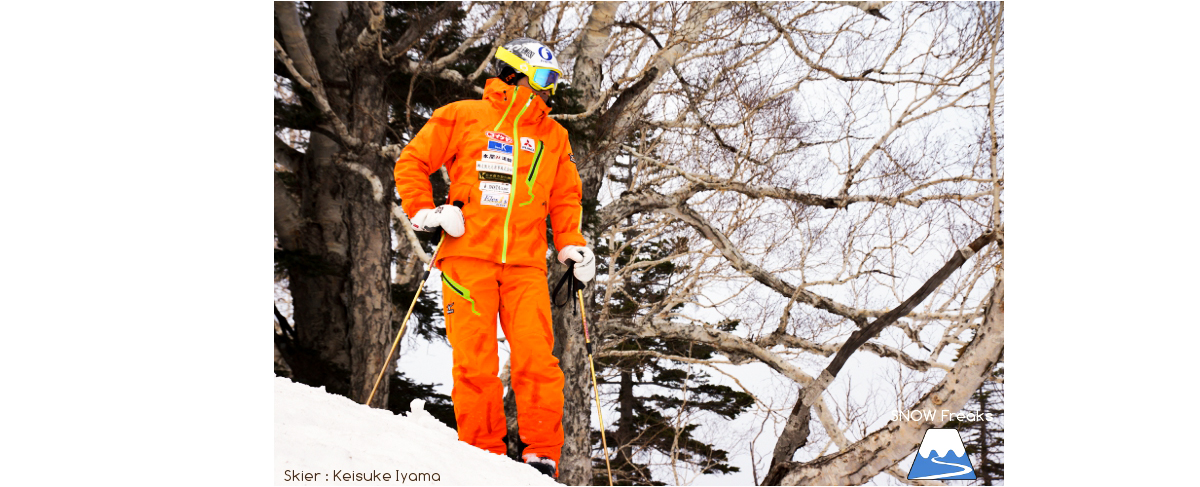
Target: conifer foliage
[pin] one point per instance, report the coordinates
(983, 430)
(660, 402)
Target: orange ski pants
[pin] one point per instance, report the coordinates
(474, 291)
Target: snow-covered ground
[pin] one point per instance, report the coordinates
(322, 438)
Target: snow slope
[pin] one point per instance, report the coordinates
(322, 438)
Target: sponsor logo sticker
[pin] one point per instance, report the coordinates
(499, 147)
(494, 199)
(495, 187)
(545, 53)
(527, 144)
(491, 176)
(495, 167)
(497, 157)
(502, 137)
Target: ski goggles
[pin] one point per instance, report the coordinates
(539, 78)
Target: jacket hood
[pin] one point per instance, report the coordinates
(499, 94)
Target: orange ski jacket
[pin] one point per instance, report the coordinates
(509, 163)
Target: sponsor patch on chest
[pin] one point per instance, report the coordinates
(496, 167)
(491, 198)
(527, 144)
(494, 145)
(502, 137)
(495, 187)
(497, 157)
(491, 176)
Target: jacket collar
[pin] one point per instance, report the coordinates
(499, 94)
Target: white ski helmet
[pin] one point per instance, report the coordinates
(532, 59)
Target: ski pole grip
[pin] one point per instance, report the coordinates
(558, 287)
(576, 284)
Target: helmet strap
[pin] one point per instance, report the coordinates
(509, 75)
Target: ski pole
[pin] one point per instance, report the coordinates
(404, 323)
(588, 341)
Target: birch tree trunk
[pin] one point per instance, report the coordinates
(575, 465)
(595, 150)
(885, 447)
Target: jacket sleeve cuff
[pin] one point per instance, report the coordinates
(562, 240)
(412, 208)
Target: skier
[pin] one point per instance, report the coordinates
(510, 165)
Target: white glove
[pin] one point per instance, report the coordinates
(585, 261)
(448, 217)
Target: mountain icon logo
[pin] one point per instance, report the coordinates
(942, 456)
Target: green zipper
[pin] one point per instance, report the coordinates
(459, 290)
(512, 187)
(502, 117)
(533, 170)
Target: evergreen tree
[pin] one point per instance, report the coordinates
(984, 437)
(653, 396)
(658, 400)
(404, 390)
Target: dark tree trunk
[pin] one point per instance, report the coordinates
(513, 438)
(576, 459)
(340, 261)
(623, 439)
(341, 294)
(319, 274)
(984, 473)
(569, 342)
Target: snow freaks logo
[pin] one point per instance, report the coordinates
(942, 456)
(943, 415)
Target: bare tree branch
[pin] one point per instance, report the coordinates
(342, 134)
(730, 252)
(871, 8)
(890, 444)
(726, 342)
(297, 42)
(588, 51)
(795, 432)
(368, 40)
(448, 59)
(418, 29)
(406, 224)
(705, 183)
(633, 98)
